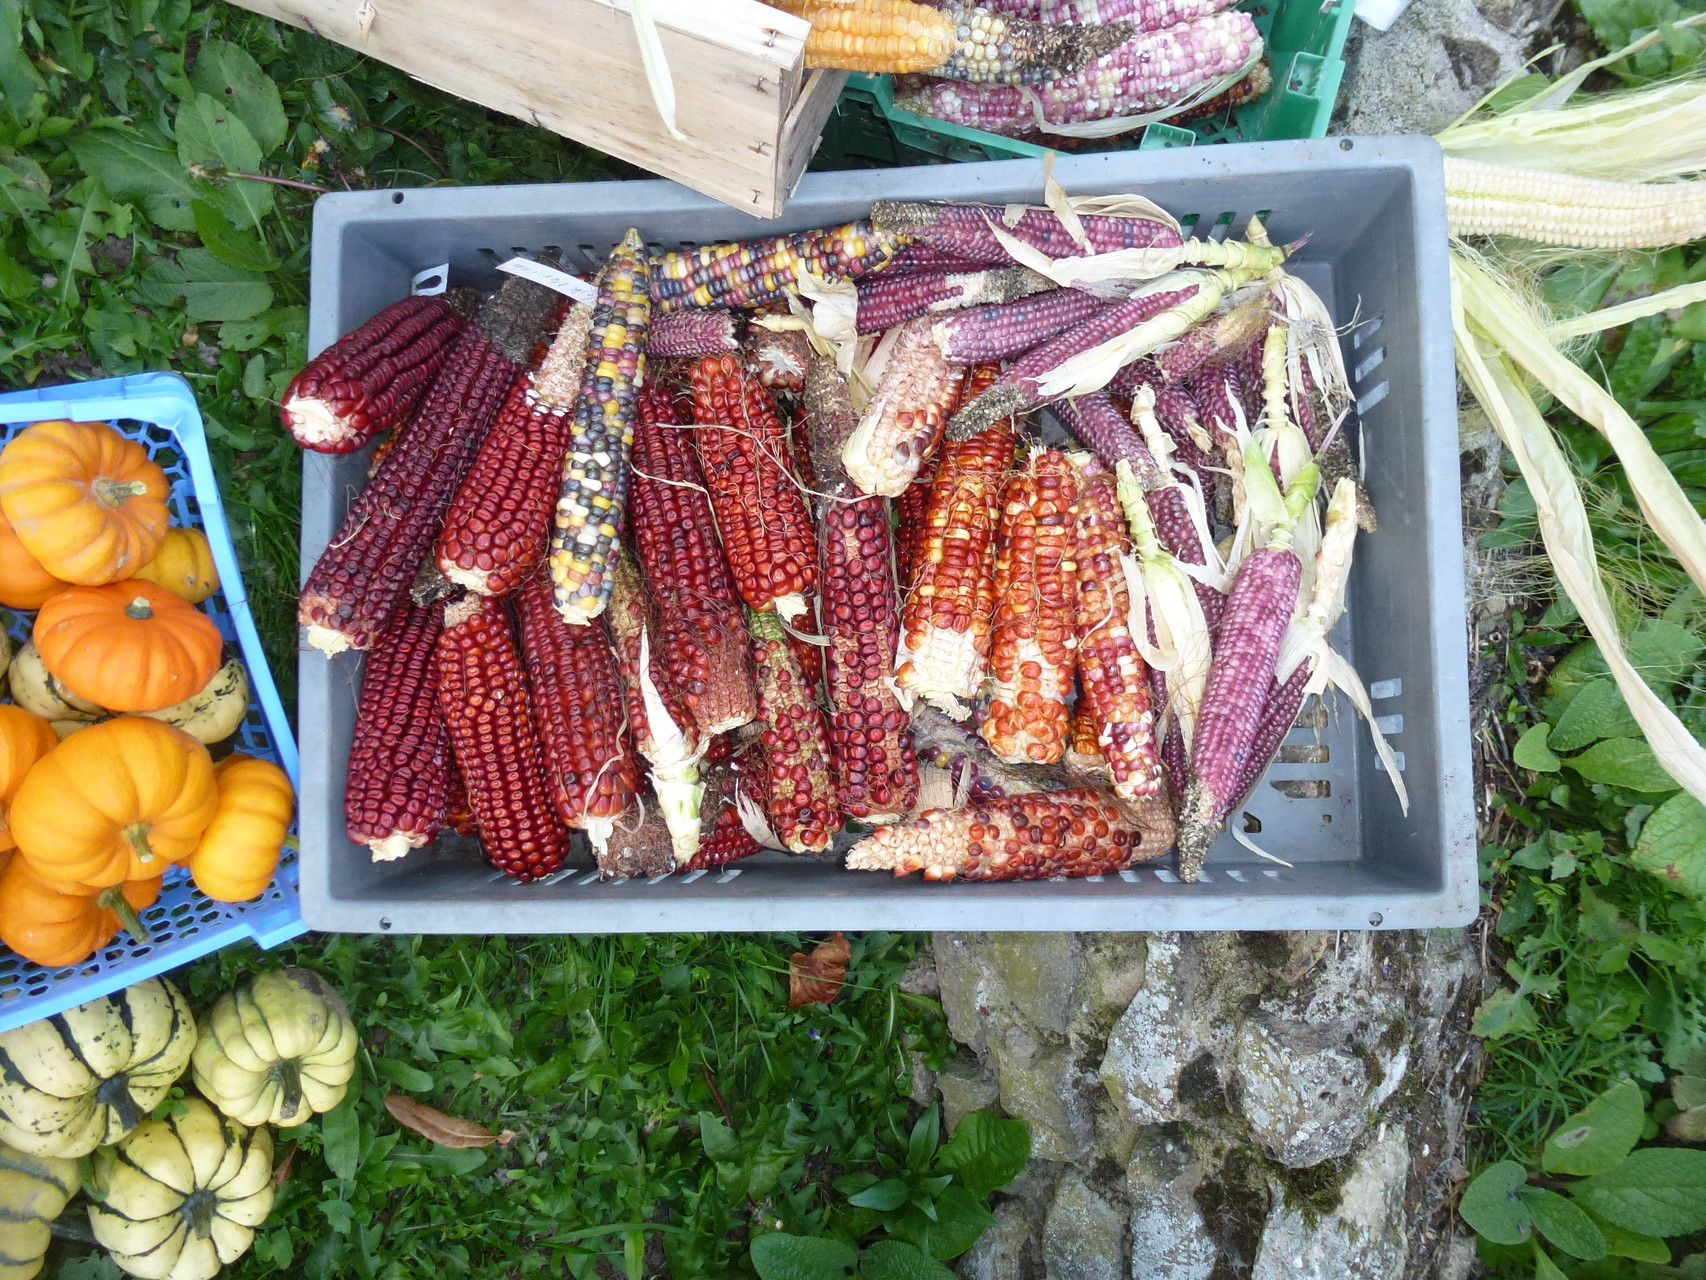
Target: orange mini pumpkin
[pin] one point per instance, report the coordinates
(184, 564)
(114, 802)
(54, 924)
(86, 502)
(127, 646)
(24, 739)
(24, 584)
(239, 850)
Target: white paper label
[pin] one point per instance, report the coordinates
(432, 280)
(551, 278)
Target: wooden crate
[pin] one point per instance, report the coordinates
(751, 112)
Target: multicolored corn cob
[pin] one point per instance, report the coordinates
(1030, 837)
(571, 674)
(594, 490)
(909, 523)
(659, 721)
(965, 229)
(1114, 676)
(398, 787)
(693, 333)
(1150, 72)
(1009, 329)
(701, 642)
(1146, 15)
(887, 300)
(495, 531)
(363, 576)
(945, 622)
(1032, 632)
(904, 420)
(876, 773)
(799, 791)
(745, 457)
(994, 48)
(483, 691)
(751, 272)
(370, 379)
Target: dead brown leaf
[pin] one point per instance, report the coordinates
(433, 1125)
(282, 1172)
(816, 978)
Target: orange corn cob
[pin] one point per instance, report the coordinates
(1031, 634)
(483, 691)
(1083, 752)
(881, 37)
(909, 513)
(589, 763)
(745, 454)
(799, 794)
(1114, 675)
(915, 396)
(1030, 837)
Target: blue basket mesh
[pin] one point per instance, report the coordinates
(159, 411)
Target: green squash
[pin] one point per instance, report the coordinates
(276, 1050)
(33, 1192)
(179, 1198)
(88, 1076)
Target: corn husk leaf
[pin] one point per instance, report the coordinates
(1332, 668)
(1672, 299)
(652, 58)
(1568, 538)
(674, 765)
(1093, 369)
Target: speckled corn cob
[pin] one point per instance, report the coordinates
(745, 456)
(964, 229)
(994, 48)
(1216, 341)
(594, 491)
(495, 531)
(756, 271)
(1008, 329)
(904, 420)
(1114, 675)
(944, 628)
(799, 790)
(911, 508)
(1031, 634)
(885, 300)
(397, 789)
(1031, 837)
(707, 332)
(483, 691)
(1146, 15)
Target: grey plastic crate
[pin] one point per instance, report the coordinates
(1374, 212)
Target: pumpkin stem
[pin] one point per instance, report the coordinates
(139, 609)
(115, 1093)
(113, 900)
(198, 1209)
(287, 1074)
(115, 492)
(136, 836)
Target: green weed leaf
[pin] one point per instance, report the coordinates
(882, 1196)
(1533, 749)
(1623, 762)
(986, 1151)
(1492, 1206)
(1660, 1191)
(926, 1134)
(1597, 711)
(340, 1138)
(1620, 1242)
(1544, 1267)
(227, 74)
(1563, 1224)
(960, 1219)
(1600, 1135)
(720, 1141)
(207, 288)
(131, 169)
(224, 241)
(779, 1256)
(897, 1260)
(1504, 1013)
(213, 140)
(1673, 845)
(19, 80)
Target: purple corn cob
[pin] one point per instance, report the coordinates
(1008, 329)
(1217, 340)
(1148, 73)
(1145, 15)
(1279, 714)
(1245, 651)
(919, 258)
(885, 300)
(964, 229)
(708, 332)
(1016, 391)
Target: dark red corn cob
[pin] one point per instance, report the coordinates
(702, 638)
(494, 533)
(885, 300)
(1114, 676)
(1003, 330)
(725, 838)
(370, 379)
(363, 576)
(1030, 837)
(694, 333)
(483, 690)
(756, 271)
(799, 792)
(964, 230)
(745, 456)
(571, 677)
(398, 787)
(460, 814)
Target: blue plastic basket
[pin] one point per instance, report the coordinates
(158, 410)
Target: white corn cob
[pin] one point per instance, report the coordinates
(1485, 199)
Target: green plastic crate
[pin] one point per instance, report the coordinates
(1305, 46)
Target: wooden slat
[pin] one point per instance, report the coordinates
(573, 66)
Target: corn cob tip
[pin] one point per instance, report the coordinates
(327, 641)
(1005, 400)
(392, 847)
(1197, 831)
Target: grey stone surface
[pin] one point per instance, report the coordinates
(964, 1088)
(1154, 1039)
(1084, 1235)
(1040, 1086)
(1363, 1238)
(1169, 1238)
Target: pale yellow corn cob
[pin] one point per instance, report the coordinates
(1485, 199)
